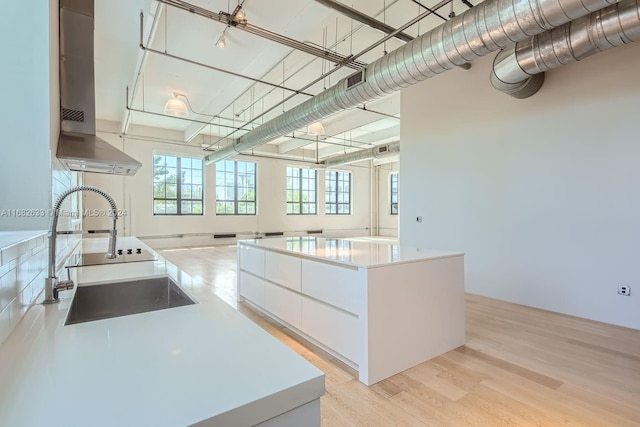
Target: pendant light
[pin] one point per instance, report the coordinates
(176, 107)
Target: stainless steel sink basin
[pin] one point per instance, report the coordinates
(96, 302)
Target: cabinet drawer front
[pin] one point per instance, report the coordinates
(332, 327)
(339, 286)
(282, 303)
(284, 270)
(251, 259)
(252, 288)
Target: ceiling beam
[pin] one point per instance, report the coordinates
(347, 120)
(365, 141)
(230, 21)
(365, 19)
(141, 63)
(292, 144)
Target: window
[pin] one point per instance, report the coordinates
(177, 185)
(235, 188)
(301, 191)
(337, 193)
(393, 193)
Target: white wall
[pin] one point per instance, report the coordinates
(25, 112)
(29, 177)
(135, 194)
(542, 194)
(387, 223)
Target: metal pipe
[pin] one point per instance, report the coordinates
(519, 70)
(228, 19)
(211, 67)
(51, 282)
(381, 151)
(143, 62)
(365, 19)
(337, 67)
(490, 26)
(426, 8)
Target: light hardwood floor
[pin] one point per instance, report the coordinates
(520, 367)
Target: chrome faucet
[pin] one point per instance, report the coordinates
(52, 285)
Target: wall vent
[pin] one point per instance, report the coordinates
(356, 78)
(273, 233)
(383, 149)
(314, 231)
(224, 236)
(72, 115)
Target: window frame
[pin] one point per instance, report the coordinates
(336, 202)
(301, 203)
(393, 192)
(178, 199)
(236, 200)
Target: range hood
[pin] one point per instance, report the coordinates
(78, 146)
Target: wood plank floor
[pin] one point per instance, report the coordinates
(520, 366)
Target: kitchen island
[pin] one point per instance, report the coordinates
(203, 364)
(379, 307)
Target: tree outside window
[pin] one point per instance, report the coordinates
(177, 185)
(337, 193)
(235, 188)
(301, 191)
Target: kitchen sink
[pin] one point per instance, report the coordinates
(96, 302)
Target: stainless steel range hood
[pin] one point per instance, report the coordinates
(78, 147)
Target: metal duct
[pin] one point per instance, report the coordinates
(378, 152)
(490, 26)
(519, 70)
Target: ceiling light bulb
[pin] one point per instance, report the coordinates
(176, 107)
(241, 15)
(221, 42)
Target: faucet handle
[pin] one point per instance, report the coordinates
(65, 285)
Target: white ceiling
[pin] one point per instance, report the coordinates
(118, 58)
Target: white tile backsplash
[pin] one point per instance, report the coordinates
(8, 288)
(22, 280)
(23, 265)
(5, 324)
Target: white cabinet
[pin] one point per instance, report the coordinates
(343, 287)
(380, 318)
(283, 303)
(252, 288)
(334, 328)
(284, 270)
(251, 259)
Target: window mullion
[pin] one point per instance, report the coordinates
(179, 187)
(337, 192)
(235, 188)
(300, 197)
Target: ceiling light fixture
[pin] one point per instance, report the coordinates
(176, 107)
(239, 15)
(315, 129)
(221, 43)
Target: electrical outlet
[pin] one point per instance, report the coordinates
(624, 290)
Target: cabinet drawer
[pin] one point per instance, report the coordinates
(332, 327)
(283, 270)
(339, 286)
(251, 259)
(252, 288)
(282, 303)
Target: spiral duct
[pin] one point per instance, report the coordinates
(378, 152)
(519, 70)
(487, 27)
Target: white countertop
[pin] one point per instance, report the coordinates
(353, 252)
(171, 367)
